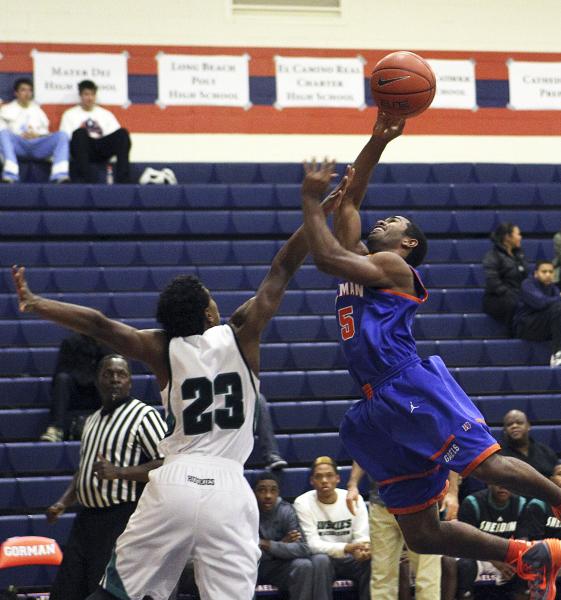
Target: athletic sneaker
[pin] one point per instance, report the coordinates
(555, 360)
(53, 434)
(539, 566)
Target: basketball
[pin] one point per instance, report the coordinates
(403, 84)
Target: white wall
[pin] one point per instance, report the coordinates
(516, 25)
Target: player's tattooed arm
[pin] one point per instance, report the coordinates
(147, 346)
(347, 222)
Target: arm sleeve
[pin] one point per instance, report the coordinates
(468, 511)
(532, 296)
(150, 432)
(315, 543)
(493, 282)
(361, 527)
(289, 550)
(532, 521)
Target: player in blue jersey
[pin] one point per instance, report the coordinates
(414, 423)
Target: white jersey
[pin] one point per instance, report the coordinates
(211, 397)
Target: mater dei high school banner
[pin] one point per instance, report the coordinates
(195, 80)
(320, 82)
(56, 76)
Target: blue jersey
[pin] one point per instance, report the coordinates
(415, 422)
(377, 329)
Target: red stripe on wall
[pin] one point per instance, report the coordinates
(146, 118)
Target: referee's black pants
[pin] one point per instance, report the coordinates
(88, 550)
(86, 150)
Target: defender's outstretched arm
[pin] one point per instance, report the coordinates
(251, 318)
(147, 346)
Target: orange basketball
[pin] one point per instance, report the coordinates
(403, 84)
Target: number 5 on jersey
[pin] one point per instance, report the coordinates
(346, 322)
(202, 391)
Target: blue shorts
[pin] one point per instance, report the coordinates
(411, 430)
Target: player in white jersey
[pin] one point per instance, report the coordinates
(197, 507)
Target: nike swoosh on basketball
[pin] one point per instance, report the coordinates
(382, 82)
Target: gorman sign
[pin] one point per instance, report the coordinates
(29, 550)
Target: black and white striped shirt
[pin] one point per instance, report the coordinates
(126, 437)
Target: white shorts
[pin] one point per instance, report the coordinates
(194, 509)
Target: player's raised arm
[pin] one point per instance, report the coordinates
(251, 318)
(347, 223)
(383, 269)
(147, 346)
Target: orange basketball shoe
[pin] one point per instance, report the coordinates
(539, 566)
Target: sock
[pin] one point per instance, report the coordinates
(557, 511)
(515, 548)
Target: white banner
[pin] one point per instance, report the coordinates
(534, 85)
(320, 82)
(455, 84)
(203, 80)
(56, 76)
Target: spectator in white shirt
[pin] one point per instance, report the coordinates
(25, 133)
(333, 531)
(95, 136)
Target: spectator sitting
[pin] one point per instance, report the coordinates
(333, 532)
(26, 135)
(266, 436)
(538, 316)
(518, 443)
(119, 448)
(537, 522)
(505, 269)
(557, 257)
(95, 136)
(285, 560)
(495, 511)
(73, 386)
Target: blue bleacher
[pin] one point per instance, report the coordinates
(115, 247)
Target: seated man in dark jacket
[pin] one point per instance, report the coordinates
(286, 561)
(505, 270)
(73, 385)
(538, 316)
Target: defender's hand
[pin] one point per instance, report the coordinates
(333, 201)
(26, 298)
(317, 178)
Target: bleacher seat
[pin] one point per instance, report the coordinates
(115, 247)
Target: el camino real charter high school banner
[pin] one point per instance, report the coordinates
(56, 76)
(320, 82)
(195, 80)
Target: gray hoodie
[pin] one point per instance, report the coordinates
(274, 525)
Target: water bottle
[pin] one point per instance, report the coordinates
(109, 175)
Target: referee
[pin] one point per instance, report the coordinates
(119, 448)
